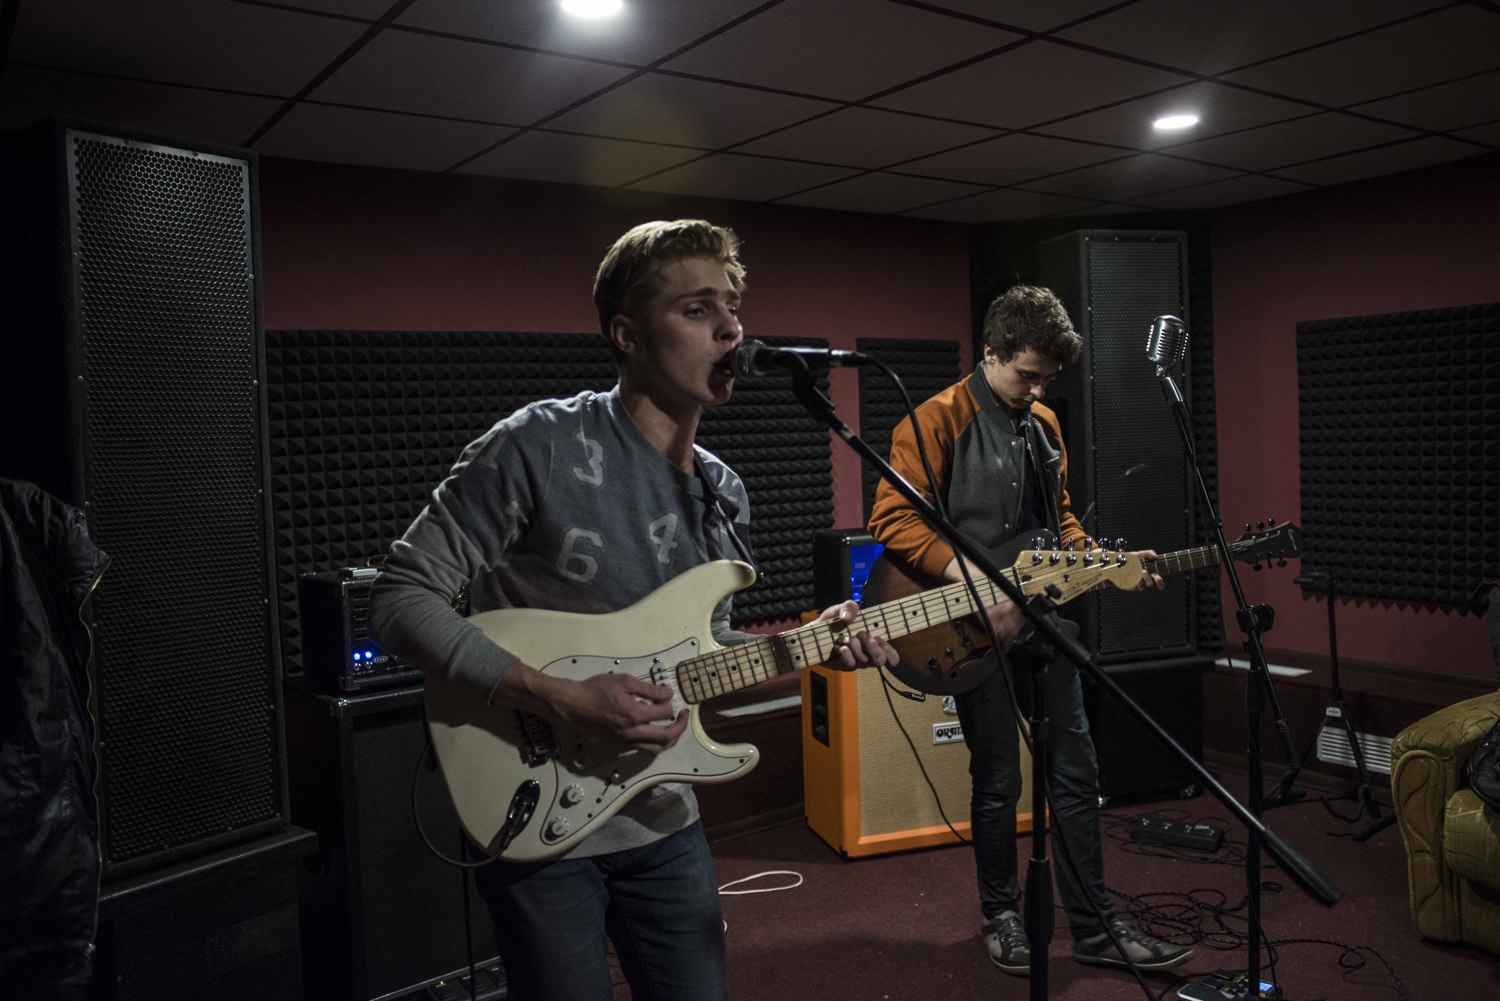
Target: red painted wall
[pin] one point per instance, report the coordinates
(1410, 241)
(367, 249)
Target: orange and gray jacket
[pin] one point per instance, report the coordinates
(977, 455)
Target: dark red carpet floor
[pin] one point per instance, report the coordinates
(905, 927)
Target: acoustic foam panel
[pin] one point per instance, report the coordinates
(363, 425)
(1399, 424)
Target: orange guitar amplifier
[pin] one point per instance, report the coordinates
(863, 790)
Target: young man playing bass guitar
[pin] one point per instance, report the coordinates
(999, 460)
(588, 505)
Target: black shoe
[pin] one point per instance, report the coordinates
(1146, 952)
(1005, 938)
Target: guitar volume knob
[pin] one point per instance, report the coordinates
(572, 795)
(558, 827)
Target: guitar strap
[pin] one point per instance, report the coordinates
(731, 527)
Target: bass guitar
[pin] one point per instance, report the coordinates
(948, 658)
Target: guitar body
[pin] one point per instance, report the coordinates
(948, 658)
(527, 788)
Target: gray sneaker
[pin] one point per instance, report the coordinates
(1146, 952)
(1005, 938)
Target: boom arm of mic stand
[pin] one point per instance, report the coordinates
(1302, 872)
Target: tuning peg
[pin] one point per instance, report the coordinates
(1120, 544)
(1281, 563)
(1255, 567)
(1260, 526)
(1038, 541)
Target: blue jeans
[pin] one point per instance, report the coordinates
(658, 904)
(1072, 774)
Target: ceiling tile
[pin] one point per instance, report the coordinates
(1467, 38)
(1143, 174)
(1487, 133)
(745, 178)
(370, 10)
(643, 34)
(1444, 107)
(551, 156)
(830, 48)
(182, 41)
(664, 109)
(204, 115)
(997, 206)
(1034, 15)
(1029, 85)
(1102, 211)
(377, 138)
(1219, 108)
(864, 137)
(399, 71)
(1292, 142)
(1212, 36)
(1236, 189)
(1011, 158)
(1387, 160)
(881, 193)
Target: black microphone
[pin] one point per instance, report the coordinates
(756, 358)
(1166, 344)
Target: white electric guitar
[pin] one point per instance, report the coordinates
(527, 788)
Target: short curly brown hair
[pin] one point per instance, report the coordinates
(1029, 318)
(631, 270)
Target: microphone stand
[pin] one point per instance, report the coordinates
(1363, 793)
(1253, 621)
(1038, 612)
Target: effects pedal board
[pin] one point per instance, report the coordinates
(1227, 985)
(1150, 829)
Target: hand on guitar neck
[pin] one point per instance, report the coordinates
(1006, 619)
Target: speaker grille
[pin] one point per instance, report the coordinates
(166, 308)
(1128, 474)
(1131, 283)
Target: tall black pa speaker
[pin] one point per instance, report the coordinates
(1128, 474)
(133, 387)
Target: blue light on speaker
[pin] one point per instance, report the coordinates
(861, 559)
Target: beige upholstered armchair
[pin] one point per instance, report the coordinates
(1452, 839)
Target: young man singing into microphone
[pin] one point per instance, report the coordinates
(589, 504)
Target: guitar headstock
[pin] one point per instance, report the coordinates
(1073, 573)
(1279, 542)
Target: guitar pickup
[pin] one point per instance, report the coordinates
(538, 742)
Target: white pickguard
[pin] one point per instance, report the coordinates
(490, 752)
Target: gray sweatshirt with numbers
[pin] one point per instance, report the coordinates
(563, 505)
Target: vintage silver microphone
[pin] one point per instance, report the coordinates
(1166, 343)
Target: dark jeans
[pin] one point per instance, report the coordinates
(658, 904)
(1072, 773)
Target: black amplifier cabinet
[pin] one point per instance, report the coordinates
(338, 654)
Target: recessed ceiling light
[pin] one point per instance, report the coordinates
(592, 8)
(1167, 122)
